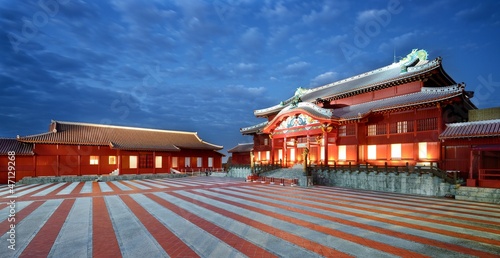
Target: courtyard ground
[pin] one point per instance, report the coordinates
(224, 217)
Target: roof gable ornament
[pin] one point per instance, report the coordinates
(412, 58)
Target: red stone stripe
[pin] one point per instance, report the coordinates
(229, 238)
(37, 191)
(417, 202)
(173, 245)
(333, 232)
(390, 221)
(77, 189)
(96, 190)
(418, 239)
(104, 243)
(116, 189)
(54, 192)
(20, 215)
(297, 240)
(314, 197)
(133, 187)
(41, 244)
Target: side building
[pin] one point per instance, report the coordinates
(76, 149)
(393, 116)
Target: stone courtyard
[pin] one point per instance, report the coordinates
(225, 217)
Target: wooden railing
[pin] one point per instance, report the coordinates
(489, 174)
(197, 171)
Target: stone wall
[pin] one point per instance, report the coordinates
(412, 183)
(61, 179)
(478, 194)
(239, 172)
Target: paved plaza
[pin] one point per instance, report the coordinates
(223, 217)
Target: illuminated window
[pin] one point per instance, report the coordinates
(280, 154)
(268, 155)
(112, 160)
(342, 152)
(396, 151)
(187, 162)
(343, 130)
(199, 162)
(422, 150)
(266, 141)
(402, 126)
(133, 161)
(322, 155)
(174, 162)
(292, 154)
(158, 161)
(372, 151)
(210, 162)
(94, 160)
(258, 156)
(372, 130)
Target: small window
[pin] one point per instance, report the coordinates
(210, 162)
(174, 162)
(396, 151)
(187, 162)
(372, 152)
(94, 160)
(112, 160)
(372, 130)
(199, 162)
(342, 152)
(133, 161)
(146, 161)
(158, 162)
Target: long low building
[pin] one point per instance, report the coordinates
(76, 149)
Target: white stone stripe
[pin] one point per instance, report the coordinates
(105, 187)
(68, 189)
(178, 182)
(133, 238)
(315, 236)
(170, 183)
(143, 187)
(121, 186)
(265, 240)
(440, 214)
(155, 185)
(87, 187)
(157, 181)
(416, 232)
(49, 190)
(5, 213)
(27, 229)
(30, 190)
(17, 187)
(352, 230)
(75, 238)
(199, 240)
(449, 204)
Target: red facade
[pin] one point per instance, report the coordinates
(391, 116)
(73, 151)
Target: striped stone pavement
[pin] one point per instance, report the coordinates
(222, 217)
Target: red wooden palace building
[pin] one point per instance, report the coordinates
(75, 149)
(394, 114)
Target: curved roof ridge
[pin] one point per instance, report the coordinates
(120, 127)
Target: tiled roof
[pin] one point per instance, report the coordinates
(385, 75)
(120, 137)
(426, 95)
(254, 128)
(242, 147)
(486, 128)
(20, 148)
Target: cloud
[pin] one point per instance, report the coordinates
(326, 14)
(297, 68)
(324, 78)
(484, 11)
(252, 41)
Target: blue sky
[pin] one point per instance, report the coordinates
(204, 66)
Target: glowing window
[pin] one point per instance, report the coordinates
(372, 130)
(422, 150)
(258, 156)
(133, 161)
(402, 126)
(342, 152)
(210, 162)
(187, 162)
(322, 155)
(268, 155)
(174, 162)
(396, 151)
(94, 160)
(372, 151)
(280, 154)
(158, 162)
(292, 154)
(199, 162)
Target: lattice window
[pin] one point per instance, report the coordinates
(427, 124)
(146, 161)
